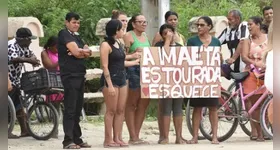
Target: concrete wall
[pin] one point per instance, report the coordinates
(149, 8)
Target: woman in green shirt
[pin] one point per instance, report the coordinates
(204, 25)
(135, 40)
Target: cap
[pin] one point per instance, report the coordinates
(25, 33)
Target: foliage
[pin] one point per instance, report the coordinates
(52, 13)
(187, 9)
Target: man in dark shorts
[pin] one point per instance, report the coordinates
(19, 53)
(71, 54)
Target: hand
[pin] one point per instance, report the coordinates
(34, 61)
(137, 62)
(87, 52)
(261, 65)
(230, 61)
(169, 36)
(111, 91)
(136, 55)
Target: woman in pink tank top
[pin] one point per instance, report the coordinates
(49, 58)
(50, 61)
(252, 52)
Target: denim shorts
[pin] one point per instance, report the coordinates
(133, 75)
(118, 79)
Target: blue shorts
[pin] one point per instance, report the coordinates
(133, 76)
(118, 79)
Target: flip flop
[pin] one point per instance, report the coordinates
(85, 145)
(72, 146)
(12, 136)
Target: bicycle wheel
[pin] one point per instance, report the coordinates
(226, 114)
(45, 128)
(189, 111)
(11, 115)
(265, 124)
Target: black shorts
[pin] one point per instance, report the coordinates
(118, 79)
(203, 102)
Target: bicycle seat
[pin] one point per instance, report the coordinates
(239, 77)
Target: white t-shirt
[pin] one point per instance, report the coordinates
(268, 79)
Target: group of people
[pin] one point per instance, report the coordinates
(120, 54)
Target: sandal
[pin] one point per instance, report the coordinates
(72, 146)
(85, 145)
(12, 136)
(111, 145)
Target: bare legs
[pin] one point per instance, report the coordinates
(114, 116)
(196, 118)
(135, 114)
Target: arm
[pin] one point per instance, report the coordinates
(131, 63)
(104, 53)
(47, 63)
(156, 39)
(132, 56)
(14, 58)
(75, 50)
(237, 52)
(71, 45)
(20, 60)
(222, 37)
(245, 52)
(9, 84)
(168, 39)
(127, 41)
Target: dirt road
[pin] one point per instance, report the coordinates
(94, 134)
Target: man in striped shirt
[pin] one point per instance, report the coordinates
(232, 35)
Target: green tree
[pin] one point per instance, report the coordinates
(187, 9)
